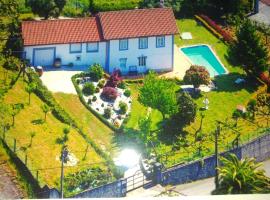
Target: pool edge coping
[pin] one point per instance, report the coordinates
(185, 46)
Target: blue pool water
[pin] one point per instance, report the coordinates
(202, 55)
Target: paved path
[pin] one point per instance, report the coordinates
(200, 187)
(9, 187)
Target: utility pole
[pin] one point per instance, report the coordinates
(217, 133)
(64, 155)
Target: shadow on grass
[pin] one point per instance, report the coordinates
(37, 121)
(226, 83)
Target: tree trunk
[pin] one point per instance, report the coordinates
(13, 120)
(29, 98)
(45, 117)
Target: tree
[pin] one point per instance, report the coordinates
(92, 6)
(187, 109)
(30, 88)
(96, 72)
(32, 135)
(197, 75)
(249, 49)
(159, 93)
(5, 113)
(45, 109)
(46, 8)
(241, 177)
(252, 107)
(14, 110)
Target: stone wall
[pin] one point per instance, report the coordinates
(204, 168)
(114, 189)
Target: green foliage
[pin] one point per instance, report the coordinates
(30, 88)
(45, 109)
(123, 107)
(187, 109)
(107, 113)
(101, 83)
(241, 177)
(127, 93)
(249, 49)
(88, 89)
(12, 63)
(85, 179)
(197, 75)
(97, 90)
(94, 98)
(252, 107)
(122, 85)
(96, 72)
(159, 93)
(46, 8)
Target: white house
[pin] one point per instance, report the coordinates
(131, 40)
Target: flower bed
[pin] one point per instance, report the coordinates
(99, 103)
(215, 28)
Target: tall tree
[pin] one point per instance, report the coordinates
(159, 93)
(30, 88)
(241, 177)
(250, 50)
(45, 109)
(46, 8)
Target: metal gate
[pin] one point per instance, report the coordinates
(137, 180)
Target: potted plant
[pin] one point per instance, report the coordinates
(57, 62)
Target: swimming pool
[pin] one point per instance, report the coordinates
(203, 55)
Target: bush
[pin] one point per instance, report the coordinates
(114, 79)
(127, 93)
(97, 90)
(107, 113)
(94, 98)
(123, 108)
(88, 89)
(122, 85)
(89, 101)
(109, 93)
(101, 83)
(96, 72)
(226, 35)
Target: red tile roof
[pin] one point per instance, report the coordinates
(105, 26)
(60, 31)
(137, 23)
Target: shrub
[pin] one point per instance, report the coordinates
(101, 83)
(94, 98)
(225, 35)
(123, 107)
(107, 113)
(109, 93)
(122, 85)
(96, 72)
(88, 89)
(78, 81)
(89, 101)
(97, 90)
(127, 93)
(114, 79)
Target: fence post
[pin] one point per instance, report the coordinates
(37, 175)
(14, 147)
(25, 160)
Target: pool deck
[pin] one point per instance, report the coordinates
(181, 65)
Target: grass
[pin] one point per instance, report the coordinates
(44, 152)
(98, 131)
(223, 102)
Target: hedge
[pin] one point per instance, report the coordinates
(215, 28)
(79, 92)
(45, 95)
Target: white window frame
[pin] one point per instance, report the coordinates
(160, 41)
(92, 47)
(143, 43)
(123, 44)
(77, 46)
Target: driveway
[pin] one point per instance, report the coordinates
(59, 80)
(263, 16)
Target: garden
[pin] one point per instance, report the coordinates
(109, 98)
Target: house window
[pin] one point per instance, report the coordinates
(92, 47)
(123, 63)
(123, 44)
(142, 61)
(75, 48)
(160, 41)
(143, 43)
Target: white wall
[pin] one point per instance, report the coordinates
(62, 51)
(157, 58)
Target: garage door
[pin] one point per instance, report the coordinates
(44, 56)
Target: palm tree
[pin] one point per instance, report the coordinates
(45, 108)
(30, 89)
(241, 177)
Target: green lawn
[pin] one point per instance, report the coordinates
(45, 151)
(223, 102)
